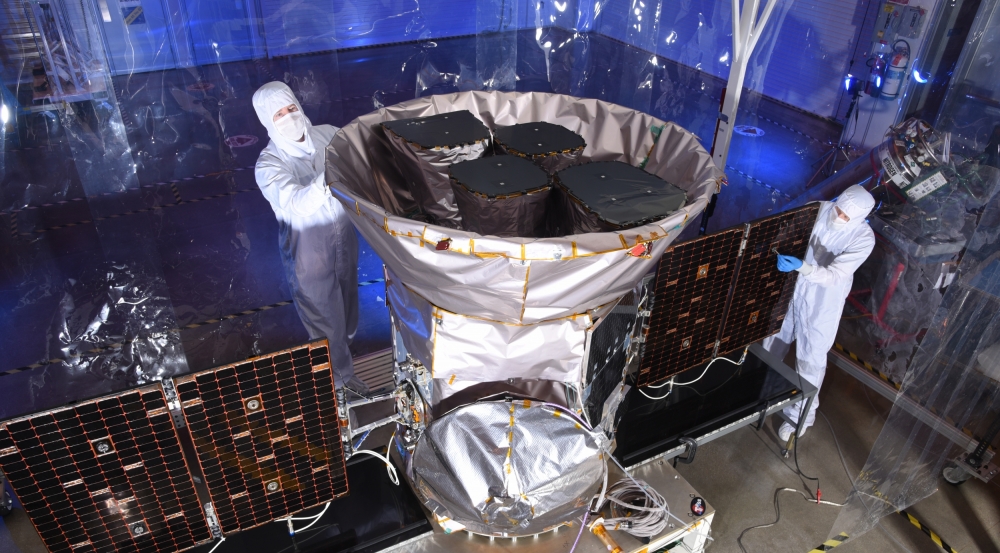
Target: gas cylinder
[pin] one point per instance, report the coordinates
(878, 63)
(896, 73)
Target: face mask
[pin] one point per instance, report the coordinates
(837, 222)
(291, 126)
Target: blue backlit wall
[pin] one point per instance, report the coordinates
(801, 59)
(801, 66)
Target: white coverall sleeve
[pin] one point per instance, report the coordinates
(841, 271)
(280, 188)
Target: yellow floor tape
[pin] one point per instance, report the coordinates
(842, 537)
(830, 543)
(930, 533)
(868, 366)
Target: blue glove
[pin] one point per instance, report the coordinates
(787, 263)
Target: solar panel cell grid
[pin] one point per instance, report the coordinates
(105, 475)
(692, 283)
(267, 435)
(762, 292)
(707, 291)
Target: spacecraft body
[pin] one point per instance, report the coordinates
(511, 350)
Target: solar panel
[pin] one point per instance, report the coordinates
(105, 475)
(718, 293)
(267, 435)
(692, 283)
(762, 292)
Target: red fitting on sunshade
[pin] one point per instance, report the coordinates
(443, 245)
(639, 250)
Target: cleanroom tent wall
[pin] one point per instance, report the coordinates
(811, 55)
(951, 383)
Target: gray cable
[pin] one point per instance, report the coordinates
(636, 508)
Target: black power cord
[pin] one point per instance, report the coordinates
(777, 513)
(795, 453)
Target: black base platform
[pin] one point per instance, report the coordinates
(727, 398)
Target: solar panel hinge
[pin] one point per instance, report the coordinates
(743, 243)
(173, 402)
(213, 521)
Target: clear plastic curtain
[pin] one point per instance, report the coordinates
(954, 375)
(928, 317)
(110, 323)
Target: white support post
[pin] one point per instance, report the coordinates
(746, 32)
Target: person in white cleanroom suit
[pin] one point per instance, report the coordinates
(318, 246)
(841, 241)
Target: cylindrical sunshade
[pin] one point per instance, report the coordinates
(519, 280)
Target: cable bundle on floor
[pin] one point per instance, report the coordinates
(636, 508)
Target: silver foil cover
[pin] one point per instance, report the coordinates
(509, 468)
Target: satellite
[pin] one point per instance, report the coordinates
(512, 352)
(505, 338)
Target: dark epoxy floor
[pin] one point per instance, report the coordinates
(103, 262)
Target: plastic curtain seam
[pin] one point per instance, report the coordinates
(843, 463)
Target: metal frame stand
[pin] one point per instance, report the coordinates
(747, 30)
(792, 440)
(828, 162)
(977, 463)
